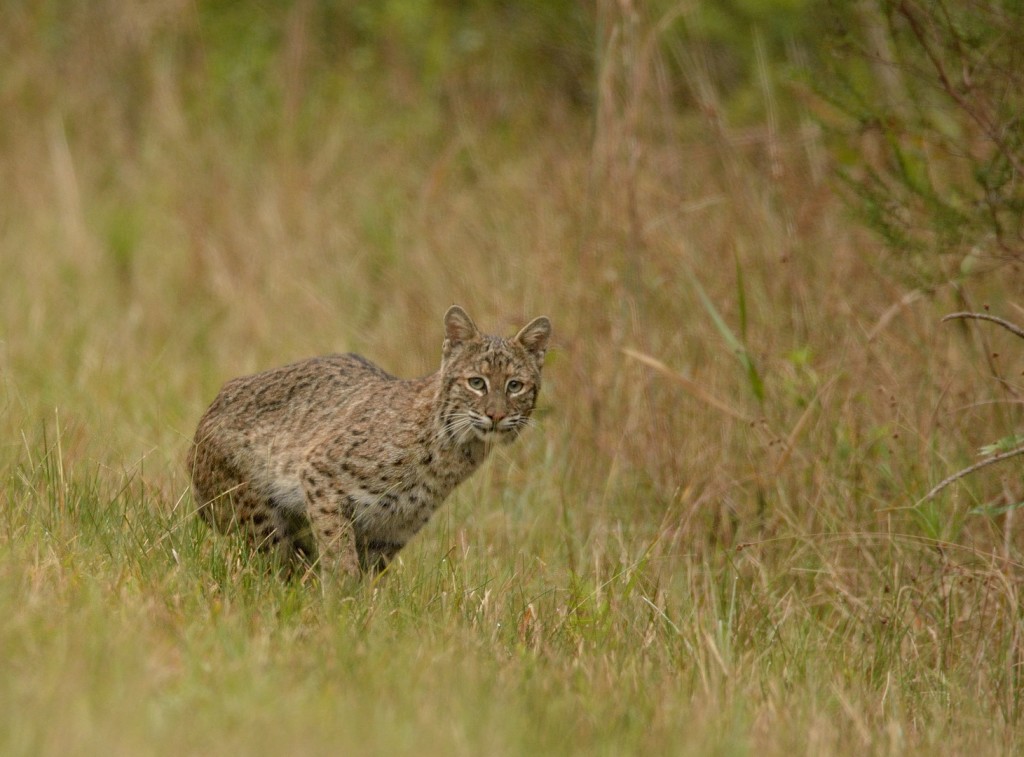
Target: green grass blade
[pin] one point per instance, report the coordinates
(734, 342)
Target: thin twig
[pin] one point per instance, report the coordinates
(969, 470)
(688, 384)
(1011, 327)
(794, 434)
(892, 311)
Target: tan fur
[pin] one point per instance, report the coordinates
(336, 460)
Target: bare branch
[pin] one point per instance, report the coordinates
(1011, 327)
(969, 470)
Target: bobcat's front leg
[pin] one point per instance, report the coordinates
(377, 555)
(334, 536)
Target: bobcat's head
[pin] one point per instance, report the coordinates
(490, 384)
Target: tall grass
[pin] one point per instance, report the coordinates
(680, 559)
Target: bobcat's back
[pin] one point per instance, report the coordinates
(293, 400)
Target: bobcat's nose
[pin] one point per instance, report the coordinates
(496, 416)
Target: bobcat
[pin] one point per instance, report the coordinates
(336, 461)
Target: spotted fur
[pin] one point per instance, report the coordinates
(339, 462)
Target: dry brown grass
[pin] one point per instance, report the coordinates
(649, 571)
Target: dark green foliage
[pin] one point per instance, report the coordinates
(934, 94)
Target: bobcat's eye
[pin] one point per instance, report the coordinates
(476, 382)
(514, 386)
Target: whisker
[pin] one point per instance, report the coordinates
(458, 427)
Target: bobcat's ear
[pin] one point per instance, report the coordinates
(458, 328)
(534, 337)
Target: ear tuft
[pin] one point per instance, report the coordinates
(458, 328)
(534, 337)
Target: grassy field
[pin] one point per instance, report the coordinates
(712, 543)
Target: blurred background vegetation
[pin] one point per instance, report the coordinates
(745, 219)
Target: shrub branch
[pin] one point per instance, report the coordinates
(1011, 327)
(971, 469)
